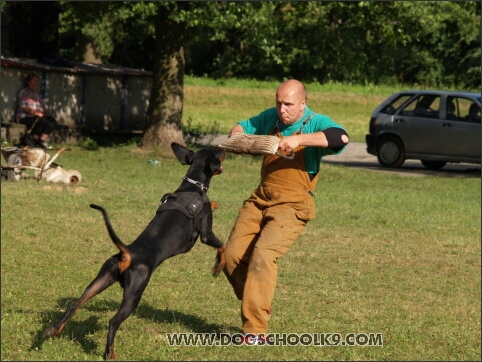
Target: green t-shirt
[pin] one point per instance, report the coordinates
(263, 123)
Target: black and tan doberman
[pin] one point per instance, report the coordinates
(181, 218)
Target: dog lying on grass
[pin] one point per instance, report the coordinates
(181, 218)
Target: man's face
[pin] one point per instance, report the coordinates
(290, 105)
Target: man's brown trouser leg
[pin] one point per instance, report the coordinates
(251, 266)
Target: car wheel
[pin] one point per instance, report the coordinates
(433, 165)
(390, 152)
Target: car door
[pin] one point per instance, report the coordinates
(461, 137)
(419, 126)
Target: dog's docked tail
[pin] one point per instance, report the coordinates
(125, 261)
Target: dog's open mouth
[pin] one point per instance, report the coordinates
(221, 154)
(218, 171)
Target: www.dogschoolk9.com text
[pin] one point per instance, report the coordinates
(275, 339)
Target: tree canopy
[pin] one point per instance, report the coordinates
(431, 43)
(425, 43)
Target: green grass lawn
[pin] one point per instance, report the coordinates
(389, 254)
(223, 103)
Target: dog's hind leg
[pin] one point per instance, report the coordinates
(136, 280)
(108, 275)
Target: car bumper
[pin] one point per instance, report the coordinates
(371, 141)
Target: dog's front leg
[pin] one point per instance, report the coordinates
(219, 263)
(210, 239)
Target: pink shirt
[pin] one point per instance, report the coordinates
(29, 98)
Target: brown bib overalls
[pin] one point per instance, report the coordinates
(267, 224)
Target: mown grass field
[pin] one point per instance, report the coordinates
(223, 103)
(389, 254)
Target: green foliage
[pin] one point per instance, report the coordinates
(425, 43)
(112, 27)
(89, 144)
(195, 130)
(444, 43)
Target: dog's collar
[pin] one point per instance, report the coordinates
(194, 182)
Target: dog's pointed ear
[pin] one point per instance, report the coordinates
(183, 154)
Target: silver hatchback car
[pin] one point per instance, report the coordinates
(435, 127)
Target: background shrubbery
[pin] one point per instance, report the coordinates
(425, 43)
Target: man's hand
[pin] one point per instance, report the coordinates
(288, 144)
(235, 129)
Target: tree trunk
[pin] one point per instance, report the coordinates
(164, 114)
(87, 50)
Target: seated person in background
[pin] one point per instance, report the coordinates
(474, 113)
(32, 113)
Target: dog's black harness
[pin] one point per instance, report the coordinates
(189, 203)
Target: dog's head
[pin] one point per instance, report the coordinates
(204, 163)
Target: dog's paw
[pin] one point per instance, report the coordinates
(220, 262)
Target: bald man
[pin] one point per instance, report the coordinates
(276, 213)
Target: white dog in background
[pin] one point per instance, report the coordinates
(40, 161)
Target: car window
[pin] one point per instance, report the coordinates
(464, 110)
(427, 106)
(395, 104)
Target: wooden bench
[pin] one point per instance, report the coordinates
(12, 131)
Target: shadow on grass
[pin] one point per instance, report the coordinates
(76, 330)
(79, 330)
(190, 321)
(415, 168)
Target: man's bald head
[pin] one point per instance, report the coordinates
(290, 101)
(293, 85)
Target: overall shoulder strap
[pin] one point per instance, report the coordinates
(305, 122)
